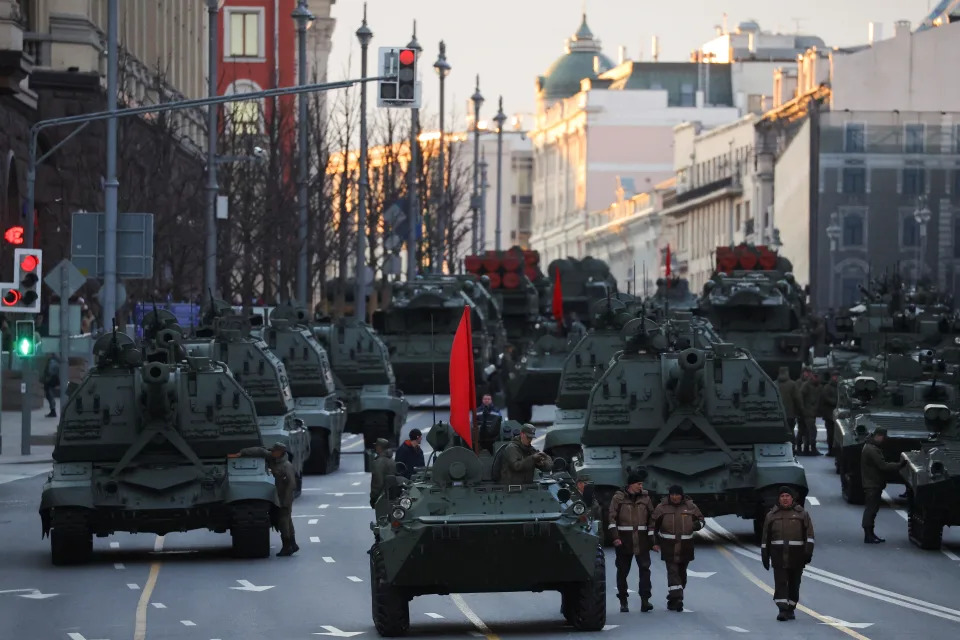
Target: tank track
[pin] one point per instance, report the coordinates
(71, 541)
(250, 523)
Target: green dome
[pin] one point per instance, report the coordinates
(562, 79)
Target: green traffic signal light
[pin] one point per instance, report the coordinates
(26, 339)
(26, 347)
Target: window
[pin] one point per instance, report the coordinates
(854, 180)
(687, 97)
(854, 134)
(852, 227)
(850, 290)
(913, 135)
(909, 231)
(914, 181)
(245, 117)
(244, 38)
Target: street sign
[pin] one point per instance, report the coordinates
(73, 320)
(223, 207)
(134, 244)
(65, 271)
(121, 294)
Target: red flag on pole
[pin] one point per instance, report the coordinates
(668, 260)
(557, 306)
(463, 388)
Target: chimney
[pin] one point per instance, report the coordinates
(655, 48)
(901, 28)
(622, 57)
(874, 32)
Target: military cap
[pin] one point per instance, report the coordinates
(278, 446)
(636, 476)
(675, 490)
(785, 489)
(383, 442)
(528, 429)
(880, 431)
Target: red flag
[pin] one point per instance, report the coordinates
(557, 306)
(668, 260)
(463, 388)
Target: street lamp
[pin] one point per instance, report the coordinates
(483, 201)
(500, 118)
(364, 35)
(213, 189)
(442, 67)
(833, 232)
(922, 216)
(413, 219)
(302, 16)
(477, 98)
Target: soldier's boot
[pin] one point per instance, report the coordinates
(285, 549)
(645, 605)
(876, 539)
(294, 547)
(869, 537)
(791, 612)
(623, 603)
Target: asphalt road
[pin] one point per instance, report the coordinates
(186, 586)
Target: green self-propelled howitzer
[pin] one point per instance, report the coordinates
(454, 529)
(142, 448)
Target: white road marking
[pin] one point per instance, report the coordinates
(328, 559)
(354, 579)
(360, 507)
(435, 616)
(114, 545)
(609, 627)
(355, 484)
(337, 633)
(471, 616)
(188, 623)
(132, 586)
(836, 622)
(951, 555)
(75, 636)
(314, 539)
(158, 605)
(340, 494)
(813, 501)
(118, 565)
(700, 574)
(356, 473)
(309, 516)
(738, 629)
(324, 506)
(246, 585)
(313, 521)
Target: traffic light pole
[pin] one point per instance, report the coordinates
(83, 120)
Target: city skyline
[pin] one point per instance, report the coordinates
(511, 71)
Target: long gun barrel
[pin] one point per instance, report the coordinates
(683, 376)
(155, 376)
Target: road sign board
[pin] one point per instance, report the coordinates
(73, 318)
(65, 271)
(134, 244)
(121, 294)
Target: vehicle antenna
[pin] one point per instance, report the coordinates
(433, 373)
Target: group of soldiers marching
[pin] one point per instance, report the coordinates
(813, 396)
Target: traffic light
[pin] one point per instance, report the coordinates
(407, 76)
(23, 294)
(26, 339)
(398, 86)
(14, 235)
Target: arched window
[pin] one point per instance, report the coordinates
(245, 117)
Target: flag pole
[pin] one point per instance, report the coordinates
(433, 373)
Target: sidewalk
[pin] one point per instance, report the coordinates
(43, 431)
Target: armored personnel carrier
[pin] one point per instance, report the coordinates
(891, 392)
(364, 379)
(673, 295)
(754, 301)
(418, 328)
(438, 533)
(709, 420)
(511, 275)
(311, 383)
(535, 377)
(228, 337)
(142, 448)
(932, 476)
(582, 283)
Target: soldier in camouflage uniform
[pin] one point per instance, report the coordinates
(828, 402)
(383, 466)
(810, 394)
(520, 459)
(792, 404)
(285, 477)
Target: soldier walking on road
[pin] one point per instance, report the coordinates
(382, 467)
(631, 526)
(674, 520)
(792, 403)
(787, 543)
(810, 394)
(873, 468)
(285, 477)
(828, 402)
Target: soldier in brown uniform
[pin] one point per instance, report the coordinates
(674, 521)
(383, 466)
(873, 469)
(792, 403)
(787, 544)
(828, 402)
(810, 394)
(631, 525)
(520, 459)
(285, 477)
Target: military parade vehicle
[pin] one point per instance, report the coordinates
(511, 275)
(710, 420)
(891, 391)
(364, 379)
(673, 294)
(439, 533)
(142, 445)
(753, 301)
(228, 337)
(418, 328)
(582, 283)
(311, 383)
(932, 476)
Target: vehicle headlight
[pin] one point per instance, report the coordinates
(406, 502)
(579, 508)
(398, 514)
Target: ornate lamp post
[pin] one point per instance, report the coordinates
(414, 215)
(442, 68)
(483, 201)
(922, 216)
(833, 232)
(500, 118)
(302, 16)
(364, 35)
(477, 98)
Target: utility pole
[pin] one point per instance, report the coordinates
(302, 16)
(500, 118)
(437, 253)
(364, 35)
(483, 201)
(477, 98)
(413, 216)
(210, 252)
(111, 186)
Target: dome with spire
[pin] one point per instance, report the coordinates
(583, 58)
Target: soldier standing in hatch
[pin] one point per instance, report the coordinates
(674, 521)
(631, 526)
(792, 403)
(594, 508)
(382, 467)
(828, 402)
(873, 468)
(810, 394)
(520, 458)
(285, 477)
(787, 543)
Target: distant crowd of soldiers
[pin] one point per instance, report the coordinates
(813, 396)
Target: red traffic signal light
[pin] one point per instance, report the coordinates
(29, 263)
(407, 56)
(14, 235)
(11, 297)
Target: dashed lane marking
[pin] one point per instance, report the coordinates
(140, 630)
(813, 501)
(323, 506)
(473, 617)
(313, 521)
(132, 586)
(158, 605)
(328, 559)
(360, 507)
(118, 565)
(738, 629)
(114, 545)
(354, 579)
(309, 516)
(355, 484)
(314, 539)
(188, 623)
(951, 555)
(435, 616)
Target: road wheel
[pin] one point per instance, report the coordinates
(566, 606)
(71, 541)
(319, 459)
(850, 488)
(588, 600)
(391, 608)
(250, 530)
(924, 528)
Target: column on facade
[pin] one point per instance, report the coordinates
(74, 38)
(11, 32)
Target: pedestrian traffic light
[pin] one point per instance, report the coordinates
(14, 235)
(23, 294)
(26, 339)
(398, 86)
